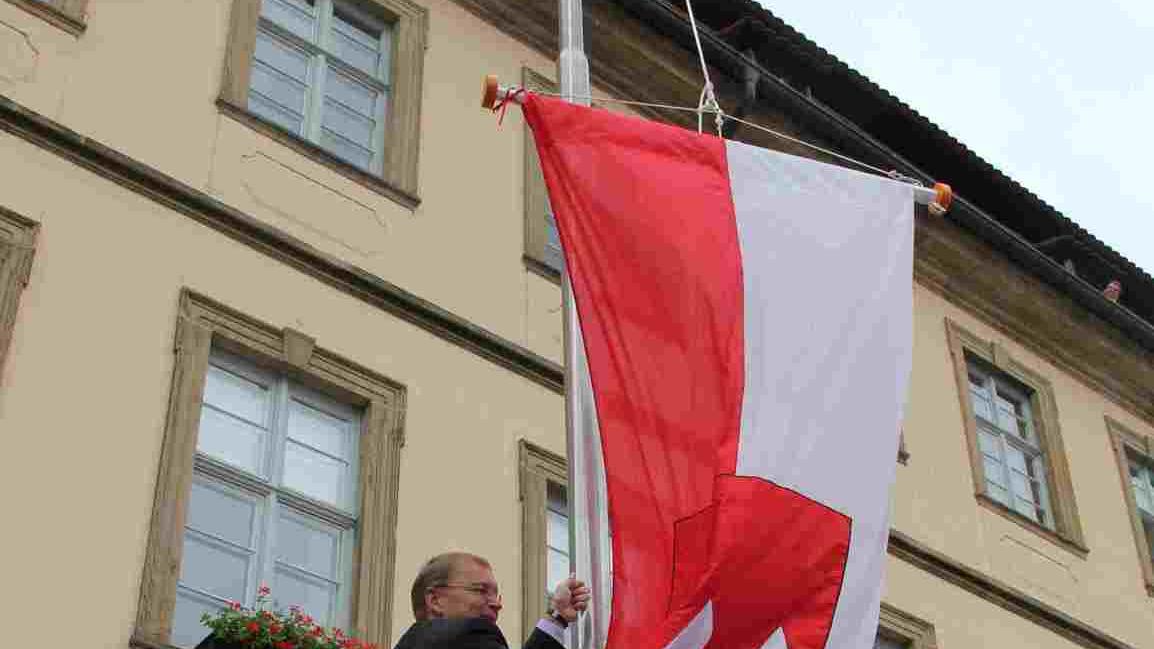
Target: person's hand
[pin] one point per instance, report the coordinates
(570, 597)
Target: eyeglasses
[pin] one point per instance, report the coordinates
(486, 591)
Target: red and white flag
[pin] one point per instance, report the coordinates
(747, 321)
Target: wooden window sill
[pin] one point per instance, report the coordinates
(1066, 543)
(73, 24)
(368, 180)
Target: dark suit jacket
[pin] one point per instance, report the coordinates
(468, 633)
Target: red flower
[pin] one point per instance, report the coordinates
(263, 590)
(307, 619)
(274, 628)
(316, 631)
(253, 627)
(234, 606)
(284, 644)
(266, 615)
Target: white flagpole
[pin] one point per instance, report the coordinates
(588, 519)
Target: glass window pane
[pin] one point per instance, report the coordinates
(1021, 488)
(353, 96)
(187, 631)
(222, 513)
(557, 533)
(296, 16)
(320, 430)
(997, 492)
(352, 126)
(237, 395)
(1026, 508)
(981, 404)
(350, 152)
(269, 110)
(1016, 458)
(315, 475)
(558, 568)
(556, 497)
(989, 445)
(214, 567)
(356, 43)
(317, 598)
(229, 439)
(1142, 494)
(1007, 417)
(310, 545)
(554, 256)
(1148, 526)
(285, 59)
(994, 471)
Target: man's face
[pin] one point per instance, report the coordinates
(471, 592)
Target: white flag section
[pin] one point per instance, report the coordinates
(827, 262)
(747, 322)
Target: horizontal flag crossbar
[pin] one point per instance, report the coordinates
(937, 199)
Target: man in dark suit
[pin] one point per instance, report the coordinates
(456, 602)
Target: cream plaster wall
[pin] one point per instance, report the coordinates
(151, 92)
(81, 444)
(934, 499)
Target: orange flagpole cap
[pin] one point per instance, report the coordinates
(943, 197)
(489, 92)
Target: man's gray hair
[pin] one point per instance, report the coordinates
(437, 572)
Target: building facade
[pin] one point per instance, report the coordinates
(279, 304)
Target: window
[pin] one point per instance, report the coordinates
(886, 642)
(320, 70)
(65, 14)
(1012, 458)
(1016, 453)
(900, 630)
(1135, 457)
(279, 466)
(17, 241)
(1142, 481)
(542, 241)
(273, 498)
(544, 528)
(556, 535)
(339, 78)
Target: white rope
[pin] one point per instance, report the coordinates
(708, 102)
(789, 138)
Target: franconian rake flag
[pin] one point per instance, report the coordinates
(747, 321)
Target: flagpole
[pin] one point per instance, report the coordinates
(588, 540)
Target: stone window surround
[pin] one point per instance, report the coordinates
(398, 178)
(203, 323)
(1067, 531)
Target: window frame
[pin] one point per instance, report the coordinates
(203, 324)
(999, 385)
(536, 196)
(397, 178)
(1067, 530)
(17, 249)
(69, 15)
(897, 625)
(1129, 445)
(538, 467)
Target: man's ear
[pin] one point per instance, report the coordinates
(433, 603)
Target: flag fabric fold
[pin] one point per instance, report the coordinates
(747, 321)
